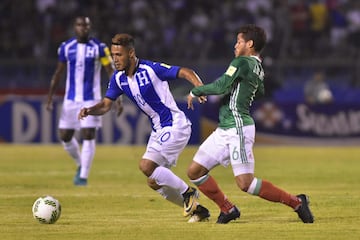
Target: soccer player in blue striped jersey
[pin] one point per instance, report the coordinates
(145, 83)
(83, 57)
(232, 141)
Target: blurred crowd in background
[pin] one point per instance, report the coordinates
(199, 29)
(194, 30)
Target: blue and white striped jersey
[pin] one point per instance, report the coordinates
(149, 90)
(84, 62)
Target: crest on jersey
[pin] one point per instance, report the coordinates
(142, 78)
(90, 52)
(230, 71)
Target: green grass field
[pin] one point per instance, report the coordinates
(117, 204)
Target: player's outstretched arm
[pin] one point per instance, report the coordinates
(192, 77)
(119, 106)
(98, 109)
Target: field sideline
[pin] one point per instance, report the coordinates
(117, 204)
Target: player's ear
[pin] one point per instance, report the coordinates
(132, 52)
(250, 43)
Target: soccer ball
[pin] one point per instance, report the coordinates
(46, 209)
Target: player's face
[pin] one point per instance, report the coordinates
(82, 28)
(121, 57)
(240, 48)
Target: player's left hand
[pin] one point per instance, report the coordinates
(202, 99)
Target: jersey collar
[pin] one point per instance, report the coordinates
(256, 57)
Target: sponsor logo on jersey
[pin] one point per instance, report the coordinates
(230, 71)
(165, 65)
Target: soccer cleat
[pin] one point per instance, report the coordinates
(190, 201)
(303, 210)
(201, 214)
(80, 182)
(227, 217)
(77, 174)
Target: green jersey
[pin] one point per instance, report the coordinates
(242, 82)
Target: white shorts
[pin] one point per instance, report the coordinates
(165, 146)
(225, 146)
(69, 116)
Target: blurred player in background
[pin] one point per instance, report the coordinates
(83, 57)
(145, 83)
(316, 90)
(232, 141)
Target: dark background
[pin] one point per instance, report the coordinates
(303, 37)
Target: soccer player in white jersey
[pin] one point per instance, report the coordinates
(145, 83)
(83, 57)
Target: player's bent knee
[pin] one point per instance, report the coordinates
(66, 135)
(243, 187)
(243, 182)
(147, 167)
(190, 173)
(144, 170)
(88, 133)
(196, 171)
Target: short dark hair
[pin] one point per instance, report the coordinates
(255, 33)
(123, 39)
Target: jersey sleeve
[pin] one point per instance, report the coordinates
(165, 72)
(61, 53)
(113, 91)
(223, 84)
(260, 91)
(104, 54)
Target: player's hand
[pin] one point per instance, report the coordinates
(49, 105)
(190, 104)
(83, 113)
(201, 99)
(119, 107)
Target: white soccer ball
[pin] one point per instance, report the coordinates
(46, 209)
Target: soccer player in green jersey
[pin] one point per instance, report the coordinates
(232, 141)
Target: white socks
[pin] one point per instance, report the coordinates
(172, 187)
(83, 159)
(171, 195)
(73, 149)
(87, 157)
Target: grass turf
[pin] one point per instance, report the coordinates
(117, 204)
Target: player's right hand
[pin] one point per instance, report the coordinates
(190, 104)
(201, 99)
(119, 106)
(49, 105)
(83, 113)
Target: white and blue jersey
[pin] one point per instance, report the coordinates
(84, 62)
(149, 90)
